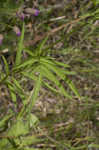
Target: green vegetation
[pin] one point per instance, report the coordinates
(49, 75)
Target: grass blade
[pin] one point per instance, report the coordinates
(6, 65)
(50, 87)
(50, 76)
(20, 48)
(28, 62)
(41, 45)
(54, 62)
(73, 88)
(35, 92)
(12, 92)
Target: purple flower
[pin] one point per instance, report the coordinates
(36, 12)
(20, 15)
(1, 39)
(18, 33)
(17, 30)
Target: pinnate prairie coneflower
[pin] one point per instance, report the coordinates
(1, 39)
(17, 30)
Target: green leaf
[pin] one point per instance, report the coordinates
(33, 120)
(35, 92)
(18, 128)
(31, 53)
(26, 63)
(83, 147)
(18, 88)
(50, 87)
(93, 146)
(41, 45)
(33, 95)
(96, 2)
(31, 148)
(56, 66)
(20, 48)
(31, 75)
(12, 91)
(29, 140)
(61, 72)
(45, 60)
(3, 121)
(51, 61)
(51, 66)
(17, 83)
(6, 65)
(49, 75)
(5, 144)
(73, 88)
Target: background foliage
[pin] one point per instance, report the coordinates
(49, 75)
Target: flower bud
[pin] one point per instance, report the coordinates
(20, 15)
(17, 30)
(33, 11)
(36, 12)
